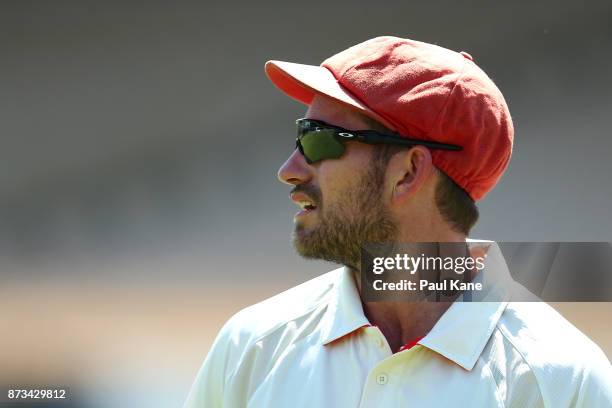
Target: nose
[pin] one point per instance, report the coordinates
(295, 170)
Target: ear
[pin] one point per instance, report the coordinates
(410, 171)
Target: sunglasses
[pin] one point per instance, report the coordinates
(317, 140)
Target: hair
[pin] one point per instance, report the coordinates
(454, 204)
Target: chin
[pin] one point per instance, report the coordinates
(301, 239)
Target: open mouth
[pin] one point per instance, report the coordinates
(306, 205)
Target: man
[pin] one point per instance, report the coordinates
(440, 136)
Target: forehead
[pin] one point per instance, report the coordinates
(335, 113)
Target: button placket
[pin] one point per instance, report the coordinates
(379, 340)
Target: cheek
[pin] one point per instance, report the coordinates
(330, 182)
(338, 177)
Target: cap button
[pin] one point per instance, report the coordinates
(466, 55)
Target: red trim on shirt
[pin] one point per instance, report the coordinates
(410, 344)
(406, 346)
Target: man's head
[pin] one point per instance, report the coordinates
(387, 192)
(373, 193)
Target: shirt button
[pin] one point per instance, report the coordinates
(379, 342)
(382, 378)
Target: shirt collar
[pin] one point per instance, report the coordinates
(344, 311)
(460, 334)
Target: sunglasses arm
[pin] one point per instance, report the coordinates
(379, 138)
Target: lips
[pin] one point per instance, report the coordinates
(305, 203)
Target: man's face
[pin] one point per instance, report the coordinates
(344, 200)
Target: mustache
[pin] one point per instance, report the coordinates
(311, 191)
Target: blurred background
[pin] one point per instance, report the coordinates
(139, 206)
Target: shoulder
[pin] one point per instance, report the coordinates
(267, 315)
(264, 319)
(251, 339)
(543, 336)
(567, 365)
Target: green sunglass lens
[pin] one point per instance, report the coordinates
(320, 145)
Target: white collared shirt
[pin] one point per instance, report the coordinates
(312, 346)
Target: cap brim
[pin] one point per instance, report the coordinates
(302, 82)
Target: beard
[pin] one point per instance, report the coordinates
(357, 217)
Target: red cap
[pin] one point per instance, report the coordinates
(421, 91)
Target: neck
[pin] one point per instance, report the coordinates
(403, 322)
(432, 232)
